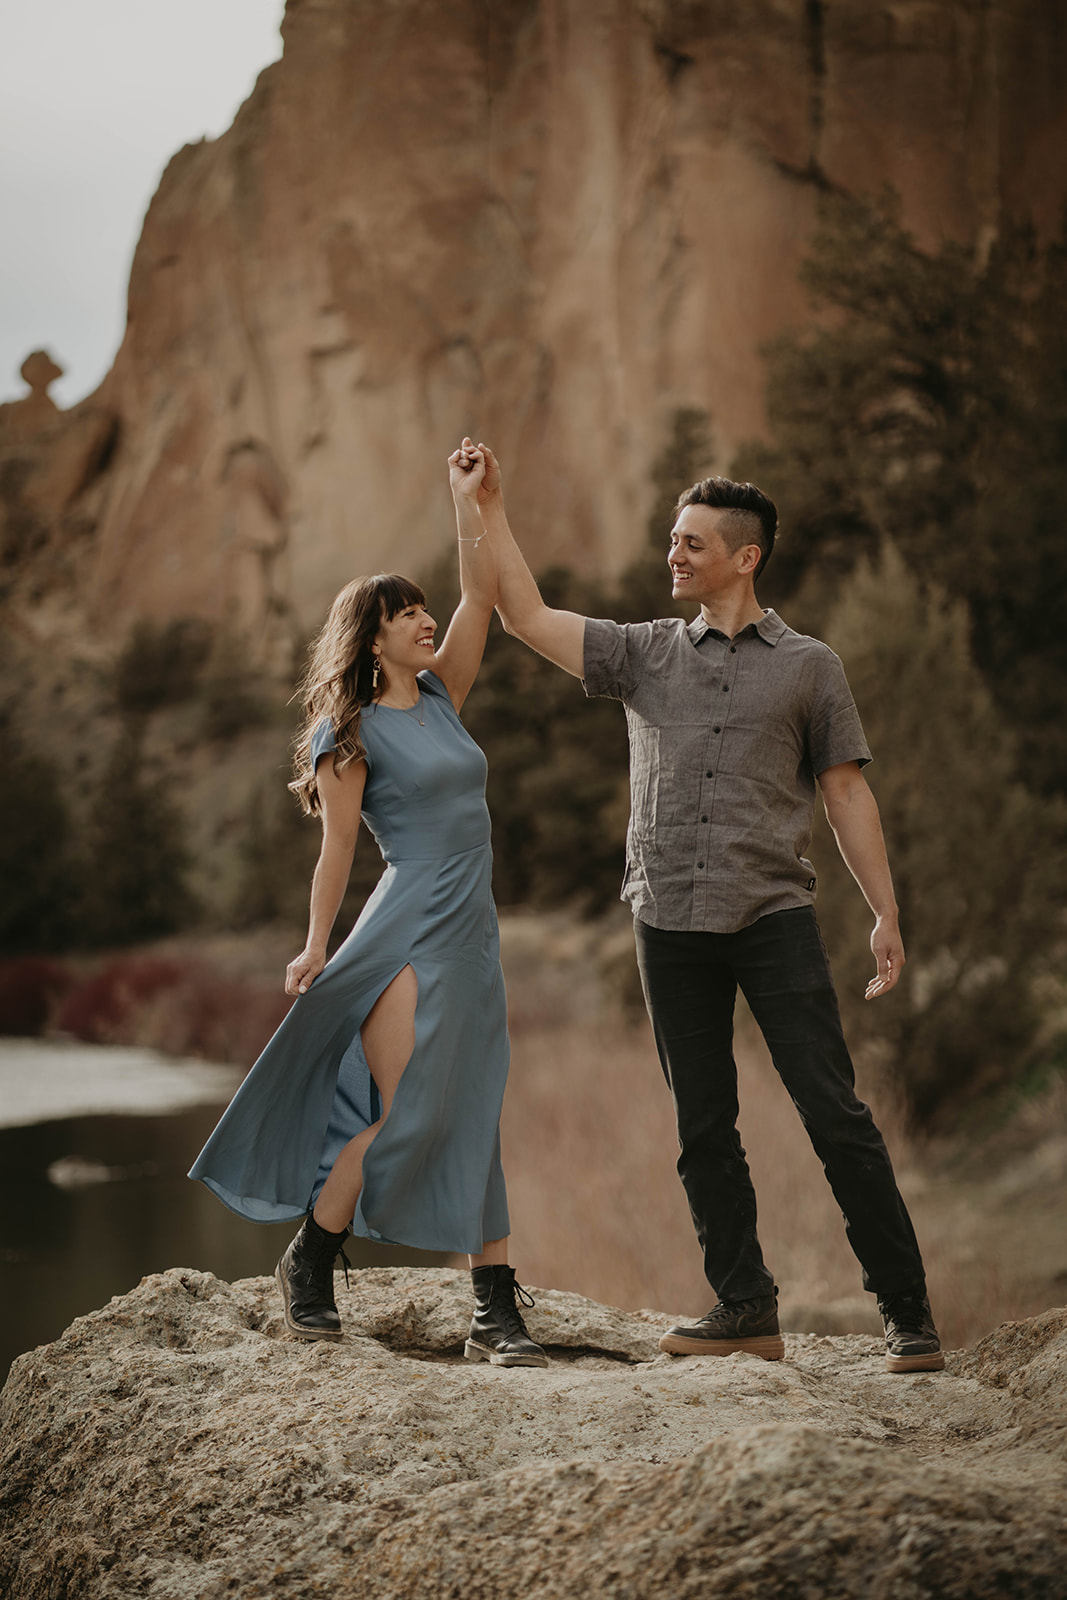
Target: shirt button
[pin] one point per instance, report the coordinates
(733, 649)
(709, 773)
(726, 688)
(716, 730)
(700, 866)
(703, 819)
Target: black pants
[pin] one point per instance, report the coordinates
(690, 982)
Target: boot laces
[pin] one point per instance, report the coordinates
(321, 1261)
(345, 1263)
(510, 1316)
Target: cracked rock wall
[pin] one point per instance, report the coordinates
(550, 222)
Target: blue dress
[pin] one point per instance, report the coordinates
(432, 1176)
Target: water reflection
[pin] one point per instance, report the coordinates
(65, 1250)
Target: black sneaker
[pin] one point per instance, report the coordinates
(747, 1325)
(911, 1342)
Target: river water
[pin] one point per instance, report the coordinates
(95, 1143)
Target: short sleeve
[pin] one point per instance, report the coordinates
(322, 741)
(607, 668)
(835, 733)
(430, 683)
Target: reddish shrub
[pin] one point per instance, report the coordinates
(213, 1016)
(177, 1005)
(103, 1009)
(30, 990)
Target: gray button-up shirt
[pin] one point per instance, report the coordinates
(727, 737)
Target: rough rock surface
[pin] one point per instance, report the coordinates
(178, 1444)
(551, 222)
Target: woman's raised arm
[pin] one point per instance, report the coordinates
(558, 635)
(460, 655)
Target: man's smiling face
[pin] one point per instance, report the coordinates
(702, 565)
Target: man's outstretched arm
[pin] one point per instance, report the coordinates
(852, 813)
(559, 635)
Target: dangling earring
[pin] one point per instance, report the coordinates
(376, 672)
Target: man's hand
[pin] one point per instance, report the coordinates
(887, 947)
(491, 481)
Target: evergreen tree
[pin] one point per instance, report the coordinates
(978, 859)
(931, 405)
(133, 880)
(36, 866)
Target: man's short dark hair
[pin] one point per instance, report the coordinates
(754, 519)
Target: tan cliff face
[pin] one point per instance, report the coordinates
(549, 224)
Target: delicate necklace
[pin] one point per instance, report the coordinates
(415, 711)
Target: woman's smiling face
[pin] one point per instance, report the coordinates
(405, 642)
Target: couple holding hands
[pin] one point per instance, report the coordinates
(376, 1106)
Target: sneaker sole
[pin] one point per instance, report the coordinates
(934, 1362)
(294, 1327)
(769, 1346)
(482, 1352)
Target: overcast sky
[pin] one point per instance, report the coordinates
(95, 97)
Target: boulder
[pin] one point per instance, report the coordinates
(178, 1443)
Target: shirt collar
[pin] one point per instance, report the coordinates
(770, 628)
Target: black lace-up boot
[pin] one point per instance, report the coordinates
(747, 1325)
(498, 1333)
(305, 1277)
(911, 1342)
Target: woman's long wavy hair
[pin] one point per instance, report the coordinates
(338, 681)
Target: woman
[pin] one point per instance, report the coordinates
(376, 1105)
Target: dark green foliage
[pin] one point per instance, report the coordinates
(932, 407)
(161, 664)
(36, 869)
(557, 790)
(234, 695)
(278, 853)
(979, 861)
(133, 875)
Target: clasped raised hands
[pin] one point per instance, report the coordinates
(473, 473)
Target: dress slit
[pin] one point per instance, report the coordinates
(432, 1174)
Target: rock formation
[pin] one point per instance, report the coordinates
(550, 222)
(178, 1443)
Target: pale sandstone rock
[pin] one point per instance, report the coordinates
(178, 1444)
(551, 226)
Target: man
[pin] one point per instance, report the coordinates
(733, 721)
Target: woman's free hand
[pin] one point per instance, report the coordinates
(300, 974)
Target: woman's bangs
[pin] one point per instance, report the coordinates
(396, 593)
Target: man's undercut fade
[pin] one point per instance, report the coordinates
(752, 519)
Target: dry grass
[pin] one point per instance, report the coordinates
(597, 1207)
(589, 1140)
